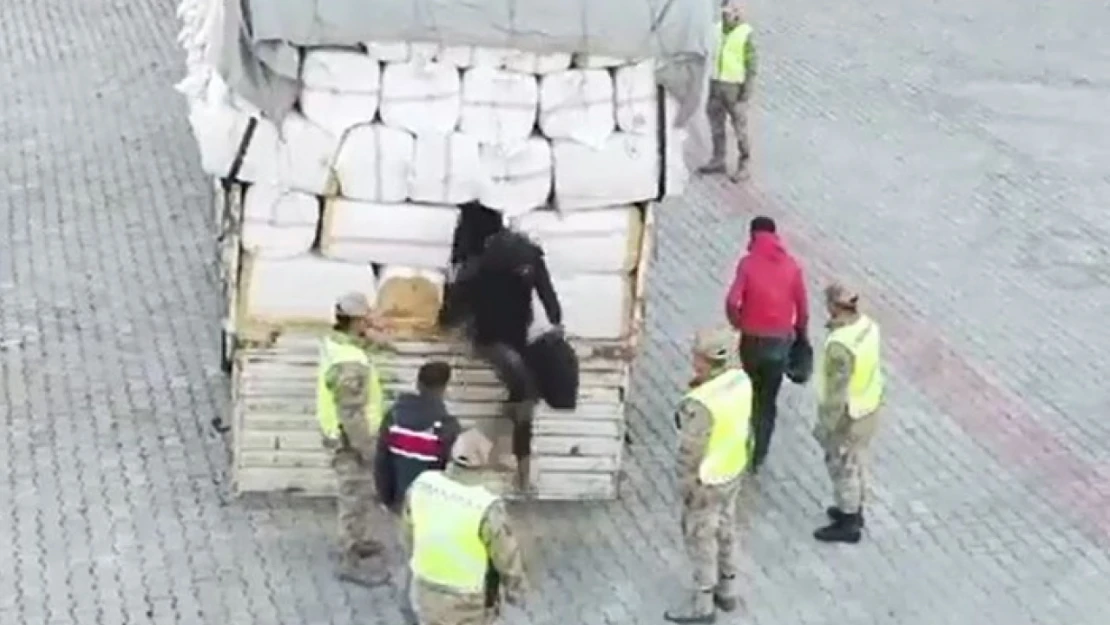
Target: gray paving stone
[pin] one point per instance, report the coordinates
(943, 156)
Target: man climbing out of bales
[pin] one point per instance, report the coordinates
(458, 532)
(416, 435)
(349, 406)
(493, 291)
(730, 88)
(713, 421)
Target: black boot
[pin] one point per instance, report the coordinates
(846, 530)
(836, 514)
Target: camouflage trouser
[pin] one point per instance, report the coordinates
(355, 499)
(437, 607)
(725, 103)
(709, 531)
(845, 458)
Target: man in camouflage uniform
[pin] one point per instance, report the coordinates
(730, 88)
(459, 534)
(713, 421)
(850, 390)
(349, 407)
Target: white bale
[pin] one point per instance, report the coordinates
(577, 105)
(600, 241)
(388, 51)
(410, 298)
(278, 223)
(636, 97)
(337, 112)
(219, 130)
(624, 170)
(595, 305)
(598, 61)
(412, 235)
(421, 97)
(535, 63)
(446, 169)
(464, 57)
(518, 177)
(498, 106)
(347, 71)
(307, 156)
(302, 289)
(374, 164)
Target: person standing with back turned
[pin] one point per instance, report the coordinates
(730, 88)
(712, 421)
(767, 303)
(349, 407)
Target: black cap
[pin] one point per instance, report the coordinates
(762, 223)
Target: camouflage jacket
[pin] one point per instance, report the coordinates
(694, 423)
(496, 533)
(832, 409)
(349, 384)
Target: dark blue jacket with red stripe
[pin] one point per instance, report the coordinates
(416, 435)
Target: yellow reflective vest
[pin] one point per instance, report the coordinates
(865, 387)
(732, 55)
(446, 518)
(334, 351)
(728, 397)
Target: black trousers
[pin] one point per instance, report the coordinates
(512, 371)
(764, 360)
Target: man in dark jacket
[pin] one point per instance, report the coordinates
(494, 293)
(767, 304)
(416, 435)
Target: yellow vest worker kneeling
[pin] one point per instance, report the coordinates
(713, 421)
(456, 530)
(849, 392)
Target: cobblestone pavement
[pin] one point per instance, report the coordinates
(945, 157)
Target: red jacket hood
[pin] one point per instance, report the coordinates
(766, 245)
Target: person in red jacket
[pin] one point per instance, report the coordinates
(767, 303)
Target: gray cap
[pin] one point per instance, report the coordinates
(471, 449)
(714, 343)
(353, 304)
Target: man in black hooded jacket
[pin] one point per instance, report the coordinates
(494, 292)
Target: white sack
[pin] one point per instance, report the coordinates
(597, 61)
(445, 170)
(636, 97)
(277, 223)
(374, 164)
(337, 112)
(219, 129)
(518, 177)
(624, 171)
(600, 241)
(302, 289)
(498, 106)
(412, 235)
(595, 305)
(421, 97)
(388, 51)
(577, 105)
(306, 155)
(341, 70)
(536, 64)
(465, 57)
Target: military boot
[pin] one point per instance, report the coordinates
(835, 514)
(726, 596)
(846, 530)
(741, 172)
(697, 607)
(351, 571)
(716, 165)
